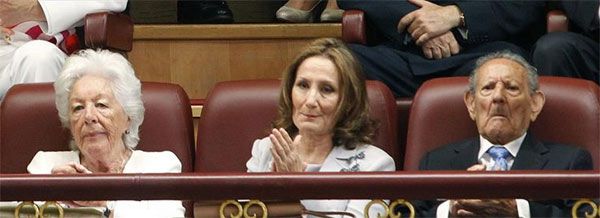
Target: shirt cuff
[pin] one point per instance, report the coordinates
(443, 210)
(464, 32)
(523, 208)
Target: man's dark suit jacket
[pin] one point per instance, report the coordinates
(533, 155)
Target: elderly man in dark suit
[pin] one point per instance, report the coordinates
(503, 99)
(422, 39)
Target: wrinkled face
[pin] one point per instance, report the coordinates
(315, 96)
(502, 105)
(97, 120)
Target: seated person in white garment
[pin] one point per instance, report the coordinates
(37, 35)
(323, 124)
(98, 99)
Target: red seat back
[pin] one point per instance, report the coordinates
(30, 123)
(571, 115)
(238, 112)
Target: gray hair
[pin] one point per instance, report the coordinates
(126, 87)
(532, 75)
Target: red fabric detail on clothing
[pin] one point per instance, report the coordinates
(34, 32)
(71, 44)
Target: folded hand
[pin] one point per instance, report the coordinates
(483, 208)
(85, 203)
(71, 168)
(429, 21)
(442, 46)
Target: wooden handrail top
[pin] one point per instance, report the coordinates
(236, 31)
(266, 186)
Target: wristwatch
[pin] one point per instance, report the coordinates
(108, 209)
(106, 212)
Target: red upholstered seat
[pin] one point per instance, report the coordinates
(571, 115)
(29, 123)
(107, 30)
(238, 112)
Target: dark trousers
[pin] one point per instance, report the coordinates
(567, 54)
(403, 71)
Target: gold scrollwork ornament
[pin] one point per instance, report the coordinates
(230, 202)
(380, 202)
(61, 212)
(580, 202)
(402, 202)
(27, 203)
(389, 210)
(255, 202)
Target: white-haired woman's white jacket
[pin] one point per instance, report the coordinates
(139, 162)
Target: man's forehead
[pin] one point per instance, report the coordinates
(501, 68)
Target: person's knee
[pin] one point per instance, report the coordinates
(553, 44)
(40, 53)
(36, 61)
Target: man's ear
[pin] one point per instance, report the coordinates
(537, 103)
(470, 103)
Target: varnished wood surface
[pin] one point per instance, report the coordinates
(198, 56)
(236, 31)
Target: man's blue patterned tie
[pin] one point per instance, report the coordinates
(499, 154)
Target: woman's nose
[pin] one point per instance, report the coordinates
(312, 97)
(91, 115)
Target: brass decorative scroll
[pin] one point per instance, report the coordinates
(27, 203)
(255, 202)
(389, 210)
(580, 202)
(402, 202)
(380, 202)
(61, 213)
(234, 203)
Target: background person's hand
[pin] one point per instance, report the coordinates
(5, 34)
(85, 203)
(483, 208)
(442, 46)
(476, 167)
(285, 156)
(71, 168)
(6, 31)
(75, 168)
(89, 203)
(13, 12)
(429, 21)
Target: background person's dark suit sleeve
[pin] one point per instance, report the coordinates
(518, 22)
(533, 155)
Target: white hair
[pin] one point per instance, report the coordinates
(117, 70)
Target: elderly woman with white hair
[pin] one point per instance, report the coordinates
(99, 100)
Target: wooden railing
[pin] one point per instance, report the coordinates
(219, 186)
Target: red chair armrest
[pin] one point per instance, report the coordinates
(354, 27)
(108, 30)
(557, 21)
